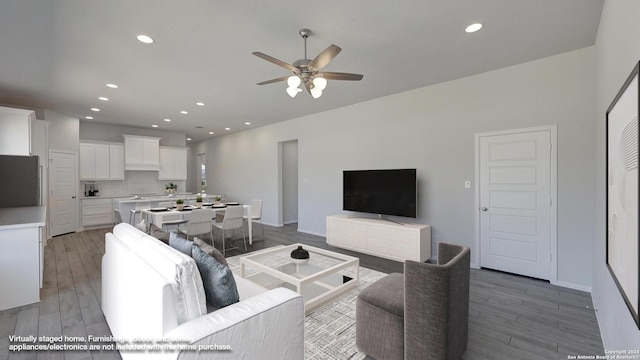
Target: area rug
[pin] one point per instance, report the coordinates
(330, 330)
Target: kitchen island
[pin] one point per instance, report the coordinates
(21, 258)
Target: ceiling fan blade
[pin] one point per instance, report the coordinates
(273, 81)
(273, 60)
(324, 57)
(340, 76)
(307, 84)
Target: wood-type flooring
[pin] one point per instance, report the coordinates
(511, 317)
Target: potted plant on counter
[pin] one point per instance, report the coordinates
(180, 204)
(217, 199)
(199, 201)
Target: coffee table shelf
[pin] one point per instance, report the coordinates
(323, 277)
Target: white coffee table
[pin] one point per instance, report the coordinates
(323, 277)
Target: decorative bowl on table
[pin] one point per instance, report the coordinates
(300, 255)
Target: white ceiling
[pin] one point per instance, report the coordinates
(59, 54)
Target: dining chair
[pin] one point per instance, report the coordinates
(256, 214)
(199, 223)
(118, 216)
(137, 210)
(232, 220)
(171, 220)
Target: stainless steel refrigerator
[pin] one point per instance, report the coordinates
(20, 181)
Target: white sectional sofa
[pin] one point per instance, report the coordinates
(151, 291)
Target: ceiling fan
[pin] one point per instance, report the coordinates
(307, 71)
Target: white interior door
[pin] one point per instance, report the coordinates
(515, 203)
(63, 185)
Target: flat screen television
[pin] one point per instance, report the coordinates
(382, 192)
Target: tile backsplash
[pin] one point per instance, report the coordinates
(135, 182)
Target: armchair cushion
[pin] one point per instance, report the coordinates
(386, 294)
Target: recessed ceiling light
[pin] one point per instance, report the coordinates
(167, 120)
(188, 139)
(103, 98)
(95, 109)
(184, 112)
(473, 28)
(211, 133)
(154, 125)
(200, 103)
(89, 117)
(247, 123)
(145, 39)
(227, 129)
(113, 86)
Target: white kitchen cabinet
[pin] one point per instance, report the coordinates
(173, 163)
(97, 212)
(116, 162)
(141, 153)
(15, 131)
(21, 258)
(100, 161)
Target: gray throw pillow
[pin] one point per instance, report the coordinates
(159, 234)
(179, 243)
(219, 285)
(211, 251)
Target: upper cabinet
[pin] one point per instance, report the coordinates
(141, 153)
(173, 163)
(15, 131)
(101, 161)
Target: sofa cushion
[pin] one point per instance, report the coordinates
(177, 268)
(181, 244)
(219, 284)
(159, 234)
(211, 251)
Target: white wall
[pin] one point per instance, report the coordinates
(431, 129)
(289, 182)
(106, 132)
(617, 52)
(63, 132)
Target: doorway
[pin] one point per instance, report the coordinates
(289, 183)
(63, 189)
(516, 201)
(202, 173)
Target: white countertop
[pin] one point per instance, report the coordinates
(22, 217)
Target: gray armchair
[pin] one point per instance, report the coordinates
(421, 314)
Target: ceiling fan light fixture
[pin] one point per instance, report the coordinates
(319, 83)
(293, 81)
(316, 93)
(293, 91)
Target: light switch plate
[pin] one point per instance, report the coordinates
(467, 184)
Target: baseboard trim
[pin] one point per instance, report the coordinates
(573, 286)
(311, 232)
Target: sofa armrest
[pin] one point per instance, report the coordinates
(266, 326)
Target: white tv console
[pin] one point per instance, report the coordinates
(381, 238)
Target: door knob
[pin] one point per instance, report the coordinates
(484, 209)
(73, 197)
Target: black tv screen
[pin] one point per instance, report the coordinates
(383, 192)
